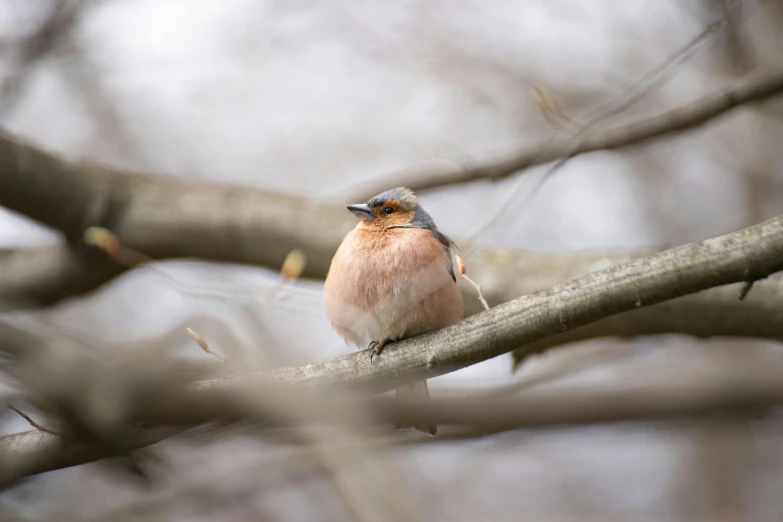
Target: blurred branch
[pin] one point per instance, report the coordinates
(163, 217)
(32, 422)
(754, 88)
(33, 452)
(35, 277)
(596, 404)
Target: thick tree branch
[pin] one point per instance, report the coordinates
(505, 275)
(717, 312)
(169, 218)
(164, 218)
(755, 88)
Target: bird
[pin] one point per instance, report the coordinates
(392, 278)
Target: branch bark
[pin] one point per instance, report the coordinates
(754, 88)
(38, 277)
(746, 255)
(717, 312)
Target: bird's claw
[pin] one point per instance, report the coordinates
(376, 348)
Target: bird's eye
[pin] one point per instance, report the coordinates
(388, 210)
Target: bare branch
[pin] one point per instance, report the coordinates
(35, 277)
(717, 312)
(33, 452)
(754, 88)
(169, 218)
(32, 422)
(464, 275)
(204, 346)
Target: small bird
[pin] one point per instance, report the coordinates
(392, 278)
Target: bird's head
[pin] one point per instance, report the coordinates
(395, 208)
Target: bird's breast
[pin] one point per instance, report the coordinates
(377, 278)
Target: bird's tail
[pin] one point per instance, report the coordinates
(417, 390)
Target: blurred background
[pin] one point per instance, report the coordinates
(320, 100)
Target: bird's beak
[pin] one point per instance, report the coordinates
(362, 211)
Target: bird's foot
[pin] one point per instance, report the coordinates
(376, 347)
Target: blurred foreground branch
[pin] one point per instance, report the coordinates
(754, 88)
(747, 255)
(33, 452)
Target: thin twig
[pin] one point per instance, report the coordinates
(463, 274)
(204, 346)
(32, 423)
(110, 244)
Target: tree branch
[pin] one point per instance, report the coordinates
(37, 277)
(748, 254)
(169, 218)
(754, 88)
(717, 312)
(32, 452)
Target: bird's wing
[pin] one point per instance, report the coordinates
(448, 244)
